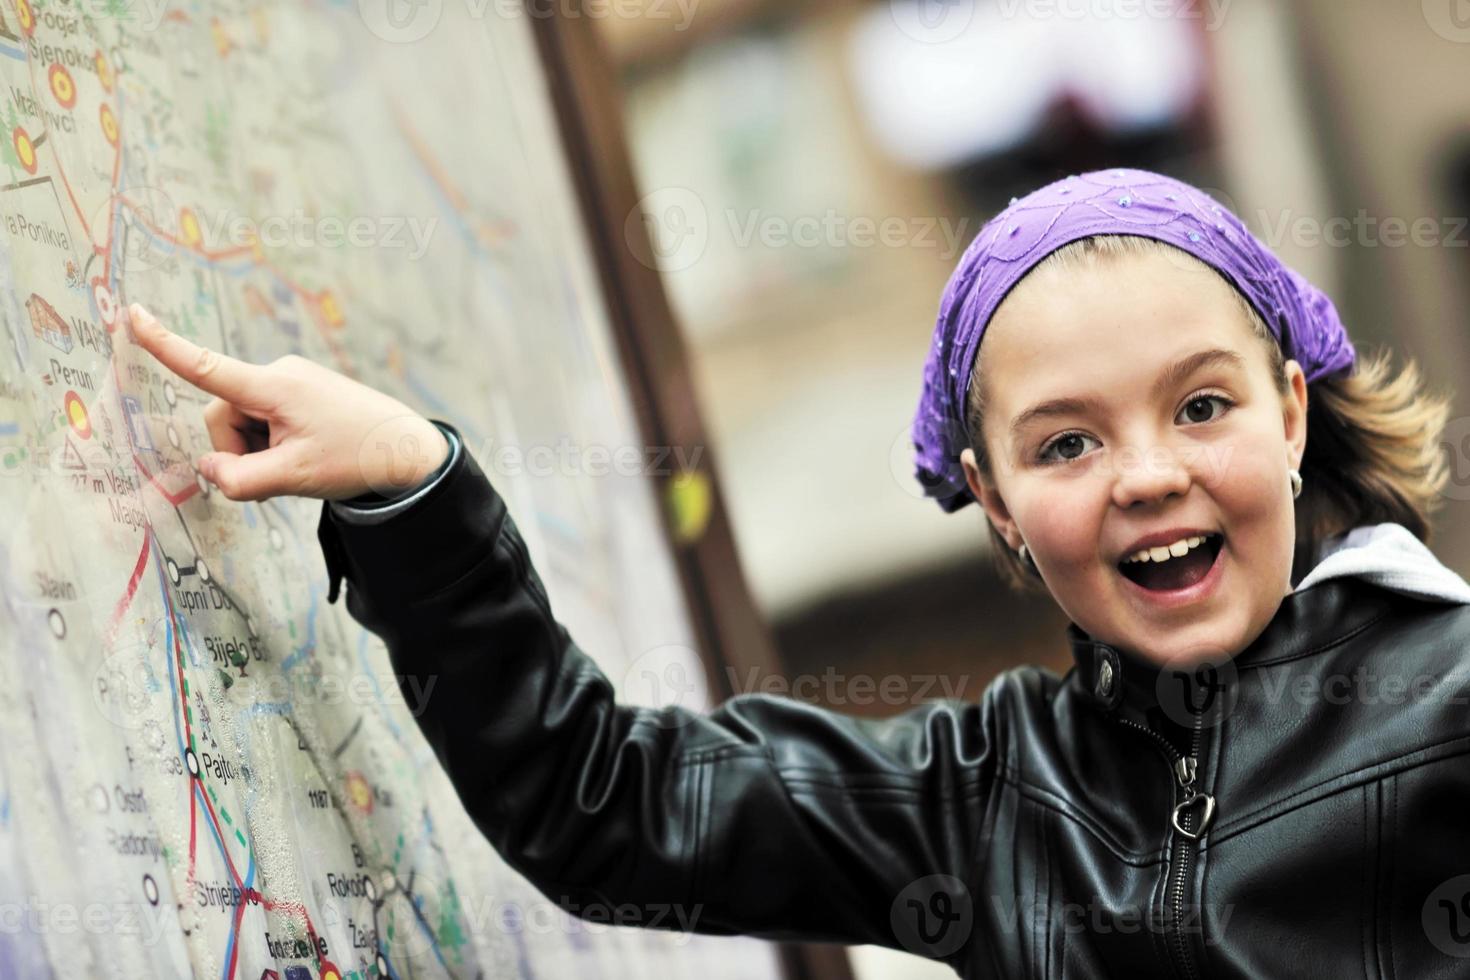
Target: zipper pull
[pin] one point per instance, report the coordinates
(1185, 770)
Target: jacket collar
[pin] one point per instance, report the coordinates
(1389, 556)
(1326, 603)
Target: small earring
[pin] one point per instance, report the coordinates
(1296, 483)
(1024, 553)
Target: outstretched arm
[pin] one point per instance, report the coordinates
(767, 817)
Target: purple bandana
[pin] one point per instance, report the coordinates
(1125, 202)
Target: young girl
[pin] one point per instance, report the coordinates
(1257, 768)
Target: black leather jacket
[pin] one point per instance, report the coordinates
(1031, 834)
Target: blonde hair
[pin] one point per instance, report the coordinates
(1373, 440)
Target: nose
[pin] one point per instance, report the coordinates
(1148, 474)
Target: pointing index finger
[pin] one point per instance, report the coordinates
(219, 374)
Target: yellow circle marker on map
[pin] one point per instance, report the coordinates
(189, 226)
(331, 311)
(222, 42)
(104, 71)
(26, 16)
(25, 150)
(359, 793)
(76, 414)
(330, 975)
(109, 123)
(62, 86)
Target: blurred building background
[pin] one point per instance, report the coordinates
(814, 168)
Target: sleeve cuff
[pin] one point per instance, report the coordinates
(440, 531)
(372, 508)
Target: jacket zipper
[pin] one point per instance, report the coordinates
(1182, 819)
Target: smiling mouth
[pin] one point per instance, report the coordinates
(1174, 572)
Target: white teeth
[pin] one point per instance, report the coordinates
(1165, 552)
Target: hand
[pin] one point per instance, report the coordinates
(295, 427)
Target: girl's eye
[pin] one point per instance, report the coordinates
(1066, 442)
(1197, 400)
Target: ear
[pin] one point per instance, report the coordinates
(1294, 413)
(990, 500)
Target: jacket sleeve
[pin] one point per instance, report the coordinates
(766, 817)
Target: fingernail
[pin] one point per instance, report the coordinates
(139, 314)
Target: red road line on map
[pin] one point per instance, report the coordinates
(213, 255)
(235, 950)
(31, 64)
(432, 165)
(132, 587)
(173, 497)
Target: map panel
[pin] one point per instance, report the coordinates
(206, 769)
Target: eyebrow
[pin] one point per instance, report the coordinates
(1169, 378)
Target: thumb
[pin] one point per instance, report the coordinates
(251, 476)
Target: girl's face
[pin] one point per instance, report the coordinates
(1132, 401)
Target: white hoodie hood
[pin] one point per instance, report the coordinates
(1388, 555)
